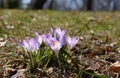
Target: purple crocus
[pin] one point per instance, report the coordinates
(59, 34)
(46, 37)
(55, 44)
(31, 44)
(70, 42)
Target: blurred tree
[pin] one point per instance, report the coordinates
(105, 5)
(64, 4)
(1, 3)
(94, 5)
(13, 3)
(116, 4)
(10, 4)
(87, 4)
(37, 4)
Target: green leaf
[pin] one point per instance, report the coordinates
(95, 75)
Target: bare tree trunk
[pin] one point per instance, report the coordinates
(117, 5)
(37, 4)
(88, 4)
(1, 4)
(13, 4)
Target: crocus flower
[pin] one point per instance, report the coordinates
(70, 42)
(46, 37)
(55, 44)
(31, 44)
(59, 34)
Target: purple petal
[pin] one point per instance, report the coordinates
(31, 42)
(58, 29)
(68, 40)
(55, 45)
(38, 38)
(58, 34)
(63, 32)
(26, 45)
(51, 30)
(35, 47)
(20, 43)
(62, 40)
(74, 41)
(46, 37)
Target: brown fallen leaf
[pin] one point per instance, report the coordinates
(91, 55)
(91, 18)
(10, 71)
(49, 70)
(1, 65)
(115, 67)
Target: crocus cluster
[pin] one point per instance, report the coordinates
(55, 39)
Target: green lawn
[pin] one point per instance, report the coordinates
(25, 22)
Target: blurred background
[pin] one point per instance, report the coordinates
(73, 5)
